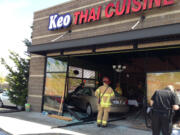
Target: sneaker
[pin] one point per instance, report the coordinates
(98, 125)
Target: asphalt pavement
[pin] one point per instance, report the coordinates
(31, 123)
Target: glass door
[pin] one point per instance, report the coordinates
(55, 85)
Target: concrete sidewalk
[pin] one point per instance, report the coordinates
(24, 123)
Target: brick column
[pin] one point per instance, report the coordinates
(36, 82)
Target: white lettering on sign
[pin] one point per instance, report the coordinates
(60, 22)
(52, 21)
(57, 21)
(66, 21)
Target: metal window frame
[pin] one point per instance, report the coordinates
(45, 75)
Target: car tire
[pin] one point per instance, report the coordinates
(1, 104)
(89, 111)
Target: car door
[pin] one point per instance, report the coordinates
(93, 100)
(5, 99)
(86, 97)
(76, 98)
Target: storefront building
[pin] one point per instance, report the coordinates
(81, 40)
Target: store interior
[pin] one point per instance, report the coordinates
(134, 68)
(132, 72)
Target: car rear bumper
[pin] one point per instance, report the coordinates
(120, 109)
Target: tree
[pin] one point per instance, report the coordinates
(2, 81)
(17, 77)
(27, 44)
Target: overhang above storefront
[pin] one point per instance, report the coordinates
(146, 35)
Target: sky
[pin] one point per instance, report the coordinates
(16, 18)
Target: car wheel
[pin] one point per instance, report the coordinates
(89, 110)
(1, 104)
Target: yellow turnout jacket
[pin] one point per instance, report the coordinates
(106, 98)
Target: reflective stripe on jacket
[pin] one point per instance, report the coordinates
(106, 98)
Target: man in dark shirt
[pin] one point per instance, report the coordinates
(163, 102)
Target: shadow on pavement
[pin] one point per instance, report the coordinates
(8, 110)
(112, 126)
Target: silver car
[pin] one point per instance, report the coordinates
(85, 99)
(4, 100)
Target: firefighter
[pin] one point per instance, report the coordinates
(104, 94)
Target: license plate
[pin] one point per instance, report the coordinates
(116, 102)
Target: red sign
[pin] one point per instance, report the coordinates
(118, 9)
(87, 17)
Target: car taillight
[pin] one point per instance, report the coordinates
(126, 102)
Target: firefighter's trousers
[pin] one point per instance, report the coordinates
(103, 115)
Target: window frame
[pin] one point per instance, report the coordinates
(51, 72)
(67, 76)
(82, 78)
